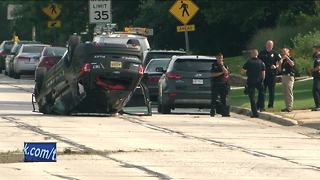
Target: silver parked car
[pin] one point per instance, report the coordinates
(27, 59)
(10, 57)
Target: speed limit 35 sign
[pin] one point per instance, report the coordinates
(99, 11)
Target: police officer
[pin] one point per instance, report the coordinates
(287, 67)
(316, 81)
(219, 88)
(271, 60)
(255, 71)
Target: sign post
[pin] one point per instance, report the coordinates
(184, 10)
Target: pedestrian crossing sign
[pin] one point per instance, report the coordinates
(184, 10)
(53, 10)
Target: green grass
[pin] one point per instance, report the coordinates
(235, 63)
(302, 97)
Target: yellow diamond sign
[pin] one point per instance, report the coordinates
(54, 24)
(184, 10)
(53, 10)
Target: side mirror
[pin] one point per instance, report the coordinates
(160, 69)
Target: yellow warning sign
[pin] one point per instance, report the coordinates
(53, 10)
(54, 24)
(184, 10)
(185, 28)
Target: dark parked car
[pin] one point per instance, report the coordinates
(5, 48)
(153, 72)
(90, 78)
(186, 83)
(152, 54)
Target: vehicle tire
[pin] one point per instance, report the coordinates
(5, 73)
(16, 75)
(159, 108)
(165, 109)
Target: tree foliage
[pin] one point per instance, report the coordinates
(221, 26)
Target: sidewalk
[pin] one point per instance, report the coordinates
(297, 117)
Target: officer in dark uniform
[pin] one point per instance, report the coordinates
(271, 60)
(219, 88)
(316, 82)
(255, 70)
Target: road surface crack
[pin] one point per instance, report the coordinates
(26, 126)
(146, 124)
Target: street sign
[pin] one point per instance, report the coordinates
(184, 10)
(100, 11)
(54, 24)
(186, 28)
(53, 10)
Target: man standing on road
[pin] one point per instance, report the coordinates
(287, 71)
(255, 70)
(219, 87)
(316, 81)
(270, 58)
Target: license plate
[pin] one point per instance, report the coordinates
(197, 81)
(116, 64)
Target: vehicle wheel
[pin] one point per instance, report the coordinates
(10, 73)
(16, 75)
(159, 108)
(165, 109)
(5, 73)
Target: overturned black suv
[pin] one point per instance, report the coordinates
(90, 78)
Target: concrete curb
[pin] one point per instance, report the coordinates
(266, 116)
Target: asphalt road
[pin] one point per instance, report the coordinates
(187, 144)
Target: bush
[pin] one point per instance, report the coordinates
(303, 45)
(281, 36)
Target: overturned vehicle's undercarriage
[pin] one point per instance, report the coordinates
(90, 78)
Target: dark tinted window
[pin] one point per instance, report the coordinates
(154, 55)
(157, 63)
(193, 65)
(55, 51)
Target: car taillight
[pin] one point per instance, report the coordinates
(173, 94)
(85, 68)
(141, 70)
(173, 76)
(2, 53)
(23, 58)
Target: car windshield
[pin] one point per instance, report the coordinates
(193, 65)
(151, 67)
(55, 51)
(32, 49)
